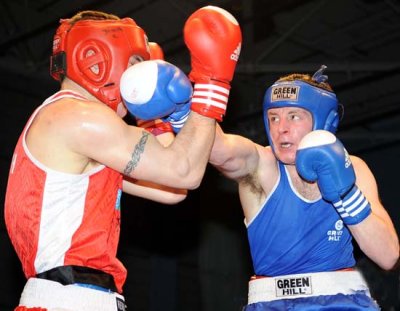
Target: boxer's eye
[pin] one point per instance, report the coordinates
(273, 119)
(134, 59)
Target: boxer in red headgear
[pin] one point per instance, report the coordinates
(94, 53)
(76, 156)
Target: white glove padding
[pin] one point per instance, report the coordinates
(152, 89)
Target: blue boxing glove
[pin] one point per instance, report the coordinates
(154, 89)
(321, 157)
(178, 118)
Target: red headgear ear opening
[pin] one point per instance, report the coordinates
(93, 61)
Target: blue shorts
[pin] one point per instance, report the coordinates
(338, 302)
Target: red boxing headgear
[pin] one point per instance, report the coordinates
(94, 54)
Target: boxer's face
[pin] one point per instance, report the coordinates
(287, 126)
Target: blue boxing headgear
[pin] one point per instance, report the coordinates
(321, 103)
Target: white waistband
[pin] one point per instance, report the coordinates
(306, 285)
(55, 296)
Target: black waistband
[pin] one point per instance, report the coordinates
(67, 275)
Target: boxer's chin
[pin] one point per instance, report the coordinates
(121, 110)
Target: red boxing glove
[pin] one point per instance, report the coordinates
(214, 39)
(155, 127)
(156, 51)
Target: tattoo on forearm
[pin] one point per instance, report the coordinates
(139, 148)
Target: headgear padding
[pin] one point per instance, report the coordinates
(95, 53)
(322, 104)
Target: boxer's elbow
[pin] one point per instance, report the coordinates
(393, 262)
(173, 198)
(195, 181)
(390, 260)
(189, 174)
(192, 180)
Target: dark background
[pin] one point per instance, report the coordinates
(194, 256)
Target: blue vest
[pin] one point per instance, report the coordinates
(292, 235)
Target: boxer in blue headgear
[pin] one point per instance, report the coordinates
(303, 204)
(311, 93)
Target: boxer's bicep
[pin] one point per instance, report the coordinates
(105, 138)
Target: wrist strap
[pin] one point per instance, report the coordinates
(177, 124)
(210, 99)
(354, 207)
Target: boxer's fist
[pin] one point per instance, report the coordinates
(173, 122)
(156, 51)
(213, 37)
(152, 89)
(157, 126)
(321, 157)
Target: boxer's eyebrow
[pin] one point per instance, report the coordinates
(137, 152)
